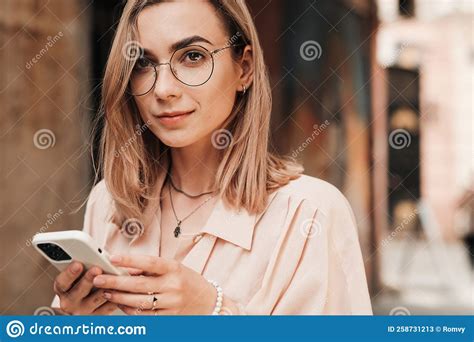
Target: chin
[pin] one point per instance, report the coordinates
(174, 141)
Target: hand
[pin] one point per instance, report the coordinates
(166, 287)
(75, 293)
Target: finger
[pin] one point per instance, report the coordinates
(147, 263)
(66, 278)
(94, 300)
(141, 301)
(134, 284)
(105, 309)
(133, 271)
(84, 286)
(136, 311)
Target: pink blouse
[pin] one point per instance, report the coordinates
(301, 256)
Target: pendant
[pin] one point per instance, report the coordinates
(177, 230)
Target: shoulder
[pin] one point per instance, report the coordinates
(100, 201)
(99, 193)
(315, 192)
(321, 209)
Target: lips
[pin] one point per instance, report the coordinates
(173, 114)
(174, 119)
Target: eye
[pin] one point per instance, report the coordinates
(193, 56)
(142, 63)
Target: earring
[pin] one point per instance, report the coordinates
(244, 90)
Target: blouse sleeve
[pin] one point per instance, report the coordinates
(317, 266)
(329, 278)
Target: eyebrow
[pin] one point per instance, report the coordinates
(182, 43)
(188, 41)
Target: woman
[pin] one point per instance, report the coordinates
(205, 219)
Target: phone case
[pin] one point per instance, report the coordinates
(81, 247)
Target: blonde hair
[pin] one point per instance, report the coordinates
(248, 171)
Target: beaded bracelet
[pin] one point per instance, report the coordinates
(220, 295)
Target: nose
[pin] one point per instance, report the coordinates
(166, 86)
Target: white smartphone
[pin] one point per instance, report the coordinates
(61, 248)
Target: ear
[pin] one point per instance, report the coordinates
(246, 69)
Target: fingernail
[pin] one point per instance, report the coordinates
(99, 281)
(107, 295)
(76, 267)
(115, 258)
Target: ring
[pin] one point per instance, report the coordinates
(154, 301)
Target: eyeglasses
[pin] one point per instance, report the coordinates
(192, 65)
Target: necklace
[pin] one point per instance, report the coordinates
(177, 230)
(185, 193)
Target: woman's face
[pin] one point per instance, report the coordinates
(160, 27)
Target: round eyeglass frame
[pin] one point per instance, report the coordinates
(155, 65)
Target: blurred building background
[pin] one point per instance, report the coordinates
(375, 97)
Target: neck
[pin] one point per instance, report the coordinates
(194, 168)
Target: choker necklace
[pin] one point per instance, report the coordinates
(177, 230)
(185, 193)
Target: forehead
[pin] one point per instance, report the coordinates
(161, 25)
